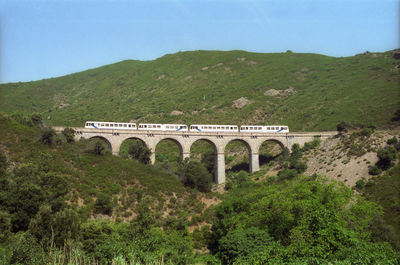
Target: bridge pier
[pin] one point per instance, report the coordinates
(153, 158)
(185, 155)
(220, 169)
(254, 162)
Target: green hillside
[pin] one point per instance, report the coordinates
(60, 204)
(305, 91)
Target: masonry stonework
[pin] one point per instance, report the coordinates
(184, 140)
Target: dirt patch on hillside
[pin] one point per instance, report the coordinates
(176, 113)
(240, 103)
(280, 93)
(332, 159)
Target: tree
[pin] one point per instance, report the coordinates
(69, 135)
(208, 160)
(140, 152)
(96, 147)
(195, 175)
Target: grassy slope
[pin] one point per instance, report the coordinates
(88, 175)
(359, 89)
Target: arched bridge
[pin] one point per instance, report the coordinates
(184, 140)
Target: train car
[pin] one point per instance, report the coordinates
(264, 128)
(162, 127)
(110, 125)
(213, 128)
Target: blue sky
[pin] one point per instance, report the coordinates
(48, 38)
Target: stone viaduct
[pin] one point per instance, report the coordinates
(184, 140)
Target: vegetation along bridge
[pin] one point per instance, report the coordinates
(184, 140)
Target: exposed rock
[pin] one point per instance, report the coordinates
(289, 91)
(188, 77)
(176, 112)
(205, 68)
(240, 103)
(242, 59)
(280, 93)
(272, 92)
(161, 77)
(218, 64)
(251, 62)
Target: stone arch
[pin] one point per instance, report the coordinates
(214, 146)
(249, 152)
(132, 138)
(263, 159)
(104, 139)
(177, 142)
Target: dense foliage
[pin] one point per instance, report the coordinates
(302, 221)
(60, 204)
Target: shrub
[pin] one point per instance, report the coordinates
(360, 184)
(374, 170)
(69, 135)
(311, 145)
(37, 119)
(47, 136)
(25, 250)
(386, 155)
(366, 132)
(3, 164)
(299, 166)
(287, 173)
(241, 243)
(5, 226)
(103, 204)
(342, 126)
(392, 141)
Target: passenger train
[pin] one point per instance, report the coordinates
(185, 128)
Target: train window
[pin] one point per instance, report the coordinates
(144, 126)
(129, 125)
(111, 125)
(158, 126)
(125, 125)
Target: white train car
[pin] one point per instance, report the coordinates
(110, 125)
(162, 127)
(264, 128)
(213, 128)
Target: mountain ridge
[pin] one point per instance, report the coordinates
(202, 86)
